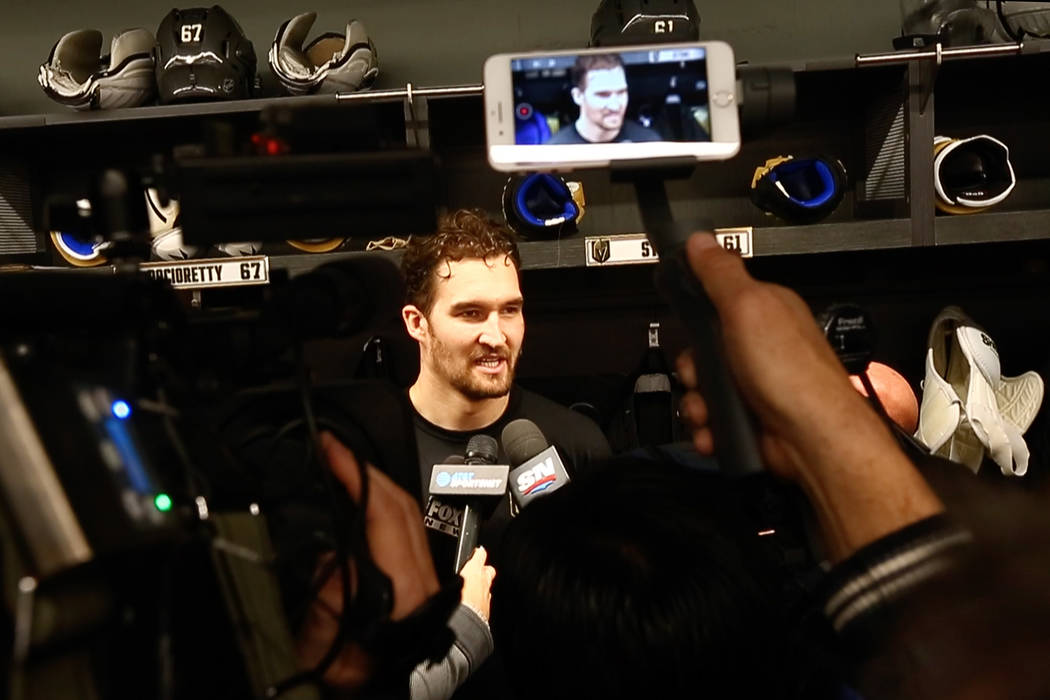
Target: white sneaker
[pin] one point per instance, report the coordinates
(968, 408)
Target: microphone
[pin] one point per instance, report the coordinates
(439, 515)
(481, 449)
(540, 470)
(475, 479)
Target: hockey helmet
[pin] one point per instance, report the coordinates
(203, 54)
(626, 22)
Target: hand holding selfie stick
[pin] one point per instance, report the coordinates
(731, 424)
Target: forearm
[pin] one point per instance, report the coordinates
(472, 646)
(862, 487)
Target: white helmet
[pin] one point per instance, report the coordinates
(76, 76)
(330, 63)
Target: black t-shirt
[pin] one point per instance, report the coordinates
(576, 438)
(630, 132)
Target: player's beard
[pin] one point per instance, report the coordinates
(612, 120)
(461, 374)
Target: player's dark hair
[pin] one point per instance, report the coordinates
(588, 62)
(466, 233)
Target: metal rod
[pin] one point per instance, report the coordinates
(893, 57)
(397, 94)
(918, 151)
(23, 632)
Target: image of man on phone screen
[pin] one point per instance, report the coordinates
(599, 88)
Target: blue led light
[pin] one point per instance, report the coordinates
(121, 409)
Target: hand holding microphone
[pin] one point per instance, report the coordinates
(477, 583)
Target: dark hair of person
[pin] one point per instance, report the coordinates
(588, 62)
(637, 581)
(462, 234)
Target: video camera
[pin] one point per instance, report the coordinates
(165, 499)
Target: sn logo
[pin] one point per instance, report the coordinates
(542, 471)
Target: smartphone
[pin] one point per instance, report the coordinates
(592, 108)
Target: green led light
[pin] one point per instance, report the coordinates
(163, 502)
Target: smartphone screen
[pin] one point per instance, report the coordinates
(624, 96)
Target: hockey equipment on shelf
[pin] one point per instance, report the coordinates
(203, 54)
(625, 22)
(971, 174)
(164, 229)
(75, 75)
(332, 62)
(799, 190)
(542, 205)
(79, 252)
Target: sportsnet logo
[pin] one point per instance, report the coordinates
(538, 479)
(540, 486)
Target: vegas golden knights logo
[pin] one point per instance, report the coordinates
(600, 250)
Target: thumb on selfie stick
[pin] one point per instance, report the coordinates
(731, 424)
(721, 273)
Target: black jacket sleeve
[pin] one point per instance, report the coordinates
(861, 593)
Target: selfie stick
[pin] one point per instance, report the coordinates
(731, 424)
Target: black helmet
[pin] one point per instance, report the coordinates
(203, 54)
(625, 22)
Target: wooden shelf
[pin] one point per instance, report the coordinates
(875, 234)
(993, 227)
(66, 117)
(194, 109)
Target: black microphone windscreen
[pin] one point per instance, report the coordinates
(523, 440)
(482, 449)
